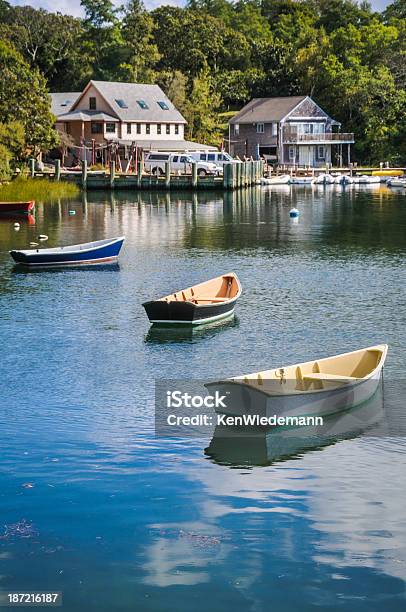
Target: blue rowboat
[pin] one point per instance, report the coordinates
(98, 252)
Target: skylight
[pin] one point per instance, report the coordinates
(66, 102)
(121, 103)
(142, 104)
(163, 105)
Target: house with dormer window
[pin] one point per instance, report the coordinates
(123, 113)
(292, 131)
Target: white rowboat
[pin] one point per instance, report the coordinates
(314, 388)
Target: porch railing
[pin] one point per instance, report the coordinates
(328, 137)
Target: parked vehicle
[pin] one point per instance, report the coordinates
(217, 157)
(155, 161)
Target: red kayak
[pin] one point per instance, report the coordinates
(16, 208)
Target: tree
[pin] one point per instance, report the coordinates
(103, 37)
(396, 10)
(201, 109)
(138, 36)
(12, 136)
(53, 43)
(24, 95)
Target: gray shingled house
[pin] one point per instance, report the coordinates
(123, 113)
(290, 131)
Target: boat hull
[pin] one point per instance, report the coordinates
(16, 208)
(107, 253)
(244, 399)
(186, 313)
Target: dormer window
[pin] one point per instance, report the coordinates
(142, 104)
(163, 105)
(92, 103)
(121, 103)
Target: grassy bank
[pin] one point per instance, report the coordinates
(41, 190)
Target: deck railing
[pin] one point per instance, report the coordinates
(332, 137)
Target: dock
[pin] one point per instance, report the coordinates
(235, 176)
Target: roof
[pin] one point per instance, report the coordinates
(82, 115)
(62, 102)
(130, 93)
(168, 145)
(267, 109)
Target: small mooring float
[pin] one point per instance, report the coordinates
(314, 388)
(210, 301)
(283, 179)
(17, 208)
(89, 253)
(303, 180)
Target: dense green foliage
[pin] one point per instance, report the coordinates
(214, 55)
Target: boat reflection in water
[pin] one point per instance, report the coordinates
(242, 446)
(163, 334)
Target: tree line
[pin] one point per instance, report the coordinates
(211, 57)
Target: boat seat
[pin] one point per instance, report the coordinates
(210, 299)
(323, 376)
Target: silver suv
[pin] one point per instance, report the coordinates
(155, 161)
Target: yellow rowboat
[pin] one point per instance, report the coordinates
(314, 388)
(387, 173)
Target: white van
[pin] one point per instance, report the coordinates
(154, 162)
(217, 157)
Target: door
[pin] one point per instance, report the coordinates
(305, 156)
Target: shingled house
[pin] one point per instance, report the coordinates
(122, 113)
(290, 131)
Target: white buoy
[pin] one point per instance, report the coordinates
(33, 243)
(16, 226)
(293, 213)
(42, 237)
(72, 212)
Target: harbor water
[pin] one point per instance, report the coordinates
(94, 505)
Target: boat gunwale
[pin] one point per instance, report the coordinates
(352, 384)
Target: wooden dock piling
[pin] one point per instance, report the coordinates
(84, 174)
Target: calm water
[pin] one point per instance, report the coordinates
(94, 505)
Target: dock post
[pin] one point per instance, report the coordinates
(112, 173)
(57, 176)
(139, 174)
(194, 175)
(225, 175)
(31, 165)
(84, 173)
(168, 174)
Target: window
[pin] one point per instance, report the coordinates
(158, 128)
(138, 128)
(66, 102)
(321, 152)
(260, 128)
(236, 129)
(211, 157)
(142, 104)
(163, 105)
(110, 128)
(158, 157)
(147, 128)
(168, 128)
(175, 158)
(274, 129)
(183, 159)
(176, 129)
(92, 103)
(203, 157)
(97, 128)
(128, 128)
(292, 153)
(121, 103)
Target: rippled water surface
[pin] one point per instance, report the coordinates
(94, 505)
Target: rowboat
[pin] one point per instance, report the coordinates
(315, 388)
(17, 208)
(283, 179)
(343, 179)
(203, 303)
(397, 182)
(100, 251)
(303, 180)
(325, 179)
(364, 179)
